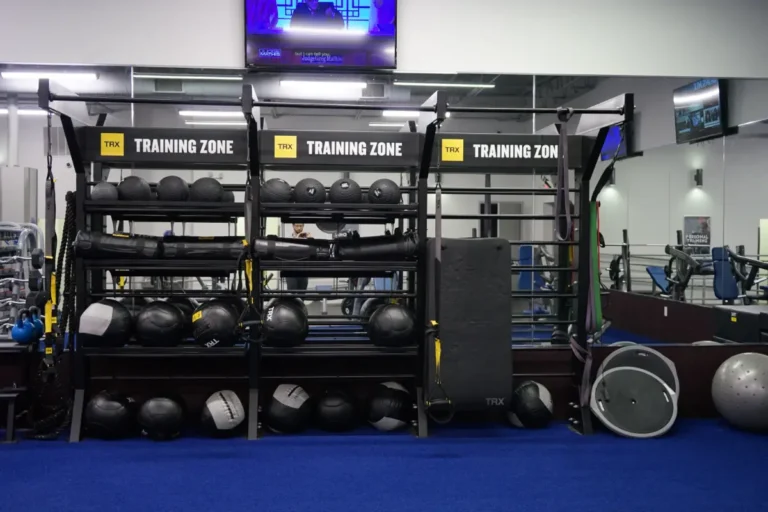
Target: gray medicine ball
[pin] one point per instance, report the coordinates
(106, 323)
(104, 191)
(206, 190)
(134, 188)
(290, 409)
(172, 188)
(276, 190)
(309, 190)
(739, 390)
(345, 191)
(223, 414)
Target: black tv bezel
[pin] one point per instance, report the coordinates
(316, 68)
(723, 97)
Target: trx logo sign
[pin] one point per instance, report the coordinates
(453, 150)
(270, 313)
(494, 402)
(285, 146)
(212, 343)
(112, 144)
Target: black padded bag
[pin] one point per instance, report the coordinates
(203, 248)
(118, 246)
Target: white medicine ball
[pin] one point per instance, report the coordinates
(223, 413)
(290, 409)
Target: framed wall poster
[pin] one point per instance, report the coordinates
(697, 234)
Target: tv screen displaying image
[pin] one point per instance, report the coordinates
(614, 141)
(357, 34)
(699, 111)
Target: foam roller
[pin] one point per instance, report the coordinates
(290, 251)
(380, 248)
(102, 245)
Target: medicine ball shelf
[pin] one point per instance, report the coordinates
(165, 211)
(364, 213)
(182, 351)
(169, 267)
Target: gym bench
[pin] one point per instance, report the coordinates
(10, 395)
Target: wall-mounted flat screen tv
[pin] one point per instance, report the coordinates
(699, 110)
(349, 34)
(615, 144)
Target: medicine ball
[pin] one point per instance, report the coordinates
(384, 191)
(159, 324)
(110, 416)
(335, 412)
(134, 188)
(161, 418)
(284, 324)
(228, 197)
(134, 304)
(104, 191)
(391, 407)
(187, 307)
(297, 301)
(531, 405)
(214, 324)
(206, 190)
(237, 302)
(222, 414)
(370, 305)
(290, 409)
(309, 190)
(346, 191)
(172, 188)
(106, 323)
(276, 190)
(392, 325)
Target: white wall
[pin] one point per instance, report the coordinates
(588, 37)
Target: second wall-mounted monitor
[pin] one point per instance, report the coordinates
(310, 34)
(700, 110)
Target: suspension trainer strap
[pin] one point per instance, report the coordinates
(562, 197)
(51, 311)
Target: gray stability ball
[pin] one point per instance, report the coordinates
(739, 390)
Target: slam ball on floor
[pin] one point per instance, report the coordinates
(110, 416)
(391, 407)
(531, 406)
(223, 414)
(160, 324)
(161, 418)
(335, 412)
(739, 391)
(290, 410)
(392, 325)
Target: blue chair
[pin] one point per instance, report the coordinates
(725, 284)
(659, 278)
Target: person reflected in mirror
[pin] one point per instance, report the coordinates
(316, 14)
(382, 20)
(261, 15)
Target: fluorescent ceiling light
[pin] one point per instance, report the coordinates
(210, 113)
(325, 31)
(217, 123)
(222, 78)
(25, 112)
(445, 84)
(696, 97)
(312, 84)
(406, 72)
(408, 114)
(52, 75)
(387, 125)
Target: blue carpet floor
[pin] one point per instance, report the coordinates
(703, 466)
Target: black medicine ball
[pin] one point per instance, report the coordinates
(309, 190)
(223, 414)
(214, 324)
(134, 188)
(295, 300)
(531, 405)
(106, 323)
(206, 190)
(290, 409)
(284, 324)
(228, 197)
(110, 416)
(161, 418)
(345, 191)
(159, 324)
(391, 407)
(104, 191)
(134, 304)
(187, 307)
(276, 190)
(392, 325)
(384, 191)
(335, 412)
(172, 188)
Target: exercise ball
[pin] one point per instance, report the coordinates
(297, 301)
(172, 188)
(531, 405)
(284, 324)
(345, 191)
(161, 418)
(214, 324)
(276, 190)
(335, 412)
(391, 407)
(392, 325)
(187, 307)
(309, 190)
(739, 391)
(222, 414)
(206, 190)
(134, 188)
(289, 410)
(106, 323)
(110, 416)
(134, 304)
(370, 305)
(384, 191)
(159, 324)
(104, 191)
(228, 197)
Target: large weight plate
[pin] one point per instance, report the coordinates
(633, 402)
(645, 358)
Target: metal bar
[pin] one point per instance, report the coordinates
(499, 191)
(382, 376)
(341, 106)
(545, 322)
(502, 216)
(542, 242)
(626, 256)
(540, 295)
(529, 110)
(313, 295)
(145, 101)
(541, 375)
(541, 268)
(486, 222)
